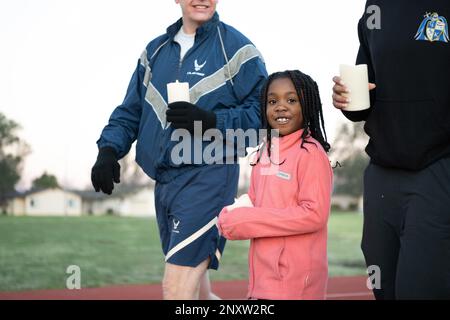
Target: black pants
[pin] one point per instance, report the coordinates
(407, 230)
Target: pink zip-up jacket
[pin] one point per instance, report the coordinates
(288, 223)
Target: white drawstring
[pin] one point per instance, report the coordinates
(225, 55)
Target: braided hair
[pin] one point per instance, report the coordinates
(308, 93)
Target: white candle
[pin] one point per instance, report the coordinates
(242, 201)
(178, 91)
(356, 80)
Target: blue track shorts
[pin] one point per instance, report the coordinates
(187, 209)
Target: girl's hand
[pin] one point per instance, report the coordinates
(242, 201)
(339, 89)
(219, 222)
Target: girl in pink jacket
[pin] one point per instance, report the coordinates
(290, 190)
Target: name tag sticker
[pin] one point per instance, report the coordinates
(284, 175)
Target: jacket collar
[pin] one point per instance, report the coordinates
(286, 142)
(203, 30)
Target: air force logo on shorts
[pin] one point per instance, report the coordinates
(176, 224)
(433, 28)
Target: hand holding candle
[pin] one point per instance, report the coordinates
(357, 81)
(178, 91)
(182, 114)
(242, 201)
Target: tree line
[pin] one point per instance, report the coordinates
(13, 151)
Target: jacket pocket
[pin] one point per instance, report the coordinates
(314, 284)
(281, 262)
(268, 263)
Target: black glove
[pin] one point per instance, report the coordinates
(183, 114)
(105, 171)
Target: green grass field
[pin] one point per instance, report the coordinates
(35, 252)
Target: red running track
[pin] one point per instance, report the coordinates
(340, 288)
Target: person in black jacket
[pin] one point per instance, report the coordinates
(406, 229)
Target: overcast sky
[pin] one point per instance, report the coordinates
(65, 64)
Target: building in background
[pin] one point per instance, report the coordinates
(127, 201)
(45, 202)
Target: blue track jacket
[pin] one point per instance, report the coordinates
(225, 73)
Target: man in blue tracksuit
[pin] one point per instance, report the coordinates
(225, 73)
